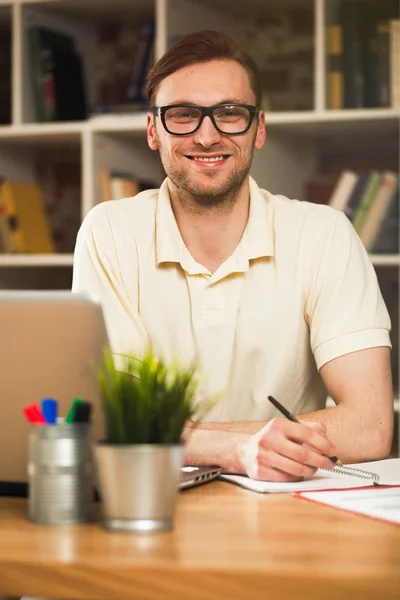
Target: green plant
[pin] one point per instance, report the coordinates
(148, 402)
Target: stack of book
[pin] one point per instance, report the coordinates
(57, 76)
(371, 202)
(363, 55)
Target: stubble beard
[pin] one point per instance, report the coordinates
(195, 196)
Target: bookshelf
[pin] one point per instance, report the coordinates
(302, 131)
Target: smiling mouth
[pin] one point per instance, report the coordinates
(209, 160)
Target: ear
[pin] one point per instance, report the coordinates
(151, 132)
(261, 133)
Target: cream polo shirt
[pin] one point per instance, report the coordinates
(298, 291)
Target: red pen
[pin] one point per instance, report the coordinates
(33, 414)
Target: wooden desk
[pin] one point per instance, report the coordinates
(227, 543)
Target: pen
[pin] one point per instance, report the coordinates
(49, 410)
(33, 414)
(82, 412)
(71, 413)
(291, 417)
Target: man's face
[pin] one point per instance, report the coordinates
(206, 84)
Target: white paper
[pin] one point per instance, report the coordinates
(388, 471)
(381, 503)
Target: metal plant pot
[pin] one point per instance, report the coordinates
(138, 485)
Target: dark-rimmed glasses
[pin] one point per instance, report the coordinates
(185, 119)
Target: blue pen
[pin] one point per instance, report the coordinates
(49, 408)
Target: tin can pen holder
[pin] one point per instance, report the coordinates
(60, 473)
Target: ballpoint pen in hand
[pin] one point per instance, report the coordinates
(339, 467)
(291, 417)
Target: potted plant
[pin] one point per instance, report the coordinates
(146, 407)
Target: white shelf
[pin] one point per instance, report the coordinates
(36, 260)
(385, 260)
(39, 260)
(50, 133)
(119, 123)
(328, 116)
(377, 121)
(329, 119)
(136, 122)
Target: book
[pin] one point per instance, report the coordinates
(366, 200)
(5, 234)
(335, 87)
(395, 62)
(343, 189)
(143, 60)
(387, 240)
(356, 195)
(351, 13)
(57, 76)
(379, 209)
(27, 219)
(387, 472)
(115, 184)
(383, 63)
(123, 185)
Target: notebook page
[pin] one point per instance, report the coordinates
(388, 471)
(380, 503)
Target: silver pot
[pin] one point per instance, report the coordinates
(138, 485)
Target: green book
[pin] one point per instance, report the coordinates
(367, 199)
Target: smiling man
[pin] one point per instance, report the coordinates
(270, 296)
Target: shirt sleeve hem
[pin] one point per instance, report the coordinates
(352, 342)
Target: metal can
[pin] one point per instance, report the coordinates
(60, 473)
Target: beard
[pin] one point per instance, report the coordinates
(209, 193)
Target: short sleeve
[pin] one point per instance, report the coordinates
(344, 305)
(97, 270)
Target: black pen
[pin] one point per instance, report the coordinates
(291, 417)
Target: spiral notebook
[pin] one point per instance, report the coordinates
(379, 473)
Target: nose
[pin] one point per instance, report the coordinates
(207, 135)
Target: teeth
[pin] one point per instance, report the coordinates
(211, 159)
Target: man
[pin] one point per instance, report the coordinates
(271, 296)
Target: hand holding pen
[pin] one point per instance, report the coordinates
(284, 450)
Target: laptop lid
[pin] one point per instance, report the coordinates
(50, 343)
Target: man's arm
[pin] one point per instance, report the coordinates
(361, 423)
(359, 427)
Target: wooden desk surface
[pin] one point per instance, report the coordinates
(227, 543)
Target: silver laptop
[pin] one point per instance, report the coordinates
(49, 343)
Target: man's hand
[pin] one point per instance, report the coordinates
(285, 451)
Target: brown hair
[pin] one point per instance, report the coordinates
(199, 47)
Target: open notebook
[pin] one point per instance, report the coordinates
(387, 472)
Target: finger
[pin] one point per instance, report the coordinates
(302, 453)
(284, 465)
(270, 474)
(320, 427)
(297, 432)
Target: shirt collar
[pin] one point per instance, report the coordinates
(257, 241)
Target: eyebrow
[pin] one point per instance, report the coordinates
(226, 101)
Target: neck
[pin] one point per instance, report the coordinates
(211, 233)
